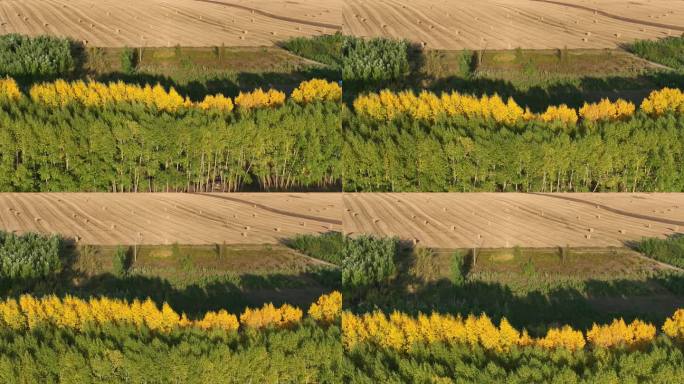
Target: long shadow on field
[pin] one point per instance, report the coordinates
(543, 305)
(201, 294)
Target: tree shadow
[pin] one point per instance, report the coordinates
(651, 299)
(195, 299)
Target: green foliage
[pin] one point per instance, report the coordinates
(128, 61)
(459, 269)
(121, 263)
(41, 56)
(368, 260)
(29, 256)
(327, 247)
(130, 149)
(374, 60)
(119, 354)
(438, 363)
(668, 51)
(454, 154)
(326, 49)
(670, 250)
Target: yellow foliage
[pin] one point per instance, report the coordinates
(9, 90)
(216, 102)
(666, 100)
(327, 309)
(607, 110)
(74, 313)
(285, 316)
(388, 105)
(636, 334)
(94, 94)
(674, 326)
(260, 99)
(565, 337)
(317, 90)
(400, 331)
(560, 113)
(219, 320)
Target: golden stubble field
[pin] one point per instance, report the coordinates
(497, 220)
(441, 220)
(168, 218)
(162, 23)
(508, 24)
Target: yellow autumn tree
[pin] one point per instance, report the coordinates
(216, 102)
(327, 308)
(605, 110)
(618, 333)
(317, 90)
(666, 100)
(267, 316)
(9, 90)
(260, 99)
(564, 337)
(674, 326)
(561, 113)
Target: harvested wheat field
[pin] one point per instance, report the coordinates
(508, 24)
(494, 220)
(112, 219)
(162, 23)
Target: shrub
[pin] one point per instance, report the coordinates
(128, 61)
(121, 262)
(377, 59)
(40, 56)
(368, 260)
(326, 49)
(670, 250)
(668, 51)
(459, 270)
(29, 256)
(327, 246)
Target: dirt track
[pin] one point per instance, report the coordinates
(162, 23)
(111, 219)
(508, 24)
(494, 220)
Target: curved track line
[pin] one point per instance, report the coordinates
(274, 16)
(274, 210)
(614, 210)
(613, 16)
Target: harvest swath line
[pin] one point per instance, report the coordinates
(273, 16)
(504, 220)
(618, 211)
(612, 16)
(168, 218)
(274, 210)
